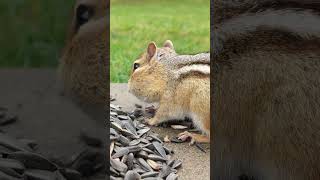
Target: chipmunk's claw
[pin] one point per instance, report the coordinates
(184, 136)
(152, 121)
(194, 137)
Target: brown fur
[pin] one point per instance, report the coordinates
(187, 96)
(266, 99)
(83, 65)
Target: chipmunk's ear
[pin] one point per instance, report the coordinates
(168, 44)
(151, 51)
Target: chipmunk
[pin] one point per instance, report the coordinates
(266, 90)
(179, 84)
(83, 65)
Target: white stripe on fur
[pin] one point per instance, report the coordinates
(201, 68)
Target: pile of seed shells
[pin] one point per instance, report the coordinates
(135, 151)
(20, 160)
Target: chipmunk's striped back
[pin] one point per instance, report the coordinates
(183, 65)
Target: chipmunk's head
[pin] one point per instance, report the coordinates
(83, 64)
(148, 78)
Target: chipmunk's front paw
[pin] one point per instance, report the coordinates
(153, 121)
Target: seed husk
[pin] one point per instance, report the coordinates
(12, 143)
(112, 138)
(172, 176)
(144, 164)
(129, 134)
(139, 170)
(111, 147)
(116, 120)
(152, 178)
(143, 131)
(160, 149)
(149, 174)
(142, 154)
(156, 157)
(144, 141)
(148, 150)
(132, 175)
(149, 146)
(170, 162)
(33, 161)
(130, 128)
(116, 126)
(134, 142)
(122, 113)
(8, 119)
(134, 148)
(180, 127)
(118, 165)
(10, 172)
(130, 161)
(112, 170)
(120, 153)
(155, 138)
(115, 107)
(42, 174)
(199, 147)
(154, 165)
(113, 114)
(176, 164)
(122, 117)
(165, 171)
(141, 126)
(168, 151)
(124, 158)
(12, 164)
(123, 140)
(114, 132)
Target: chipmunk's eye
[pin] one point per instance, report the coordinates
(136, 66)
(83, 14)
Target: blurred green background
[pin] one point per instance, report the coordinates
(134, 23)
(32, 32)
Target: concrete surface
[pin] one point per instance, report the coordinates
(196, 164)
(44, 115)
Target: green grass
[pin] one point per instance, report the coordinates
(135, 23)
(32, 32)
